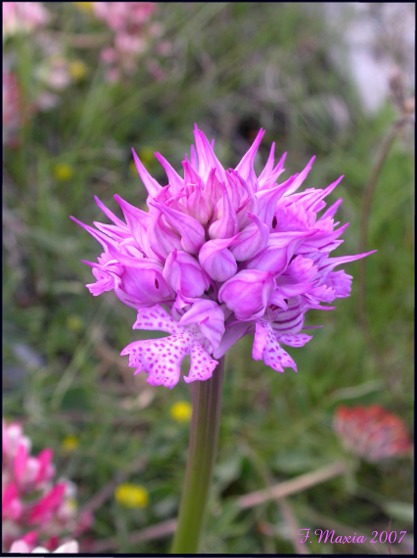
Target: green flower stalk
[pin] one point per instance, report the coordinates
(204, 431)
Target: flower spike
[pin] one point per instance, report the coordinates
(218, 255)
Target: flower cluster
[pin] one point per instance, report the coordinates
(23, 17)
(34, 506)
(19, 18)
(132, 27)
(53, 72)
(371, 432)
(218, 255)
(21, 547)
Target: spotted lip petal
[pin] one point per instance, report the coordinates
(160, 359)
(218, 255)
(196, 333)
(156, 319)
(209, 318)
(267, 346)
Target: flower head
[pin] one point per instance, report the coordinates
(63, 172)
(77, 70)
(20, 547)
(23, 17)
(34, 506)
(131, 495)
(220, 254)
(181, 411)
(371, 432)
(131, 25)
(70, 443)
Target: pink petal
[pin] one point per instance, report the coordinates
(48, 504)
(185, 275)
(109, 214)
(10, 503)
(45, 465)
(20, 547)
(143, 284)
(270, 174)
(201, 364)
(159, 358)
(280, 249)
(155, 318)
(162, 237)
(191, 231)
(268, 199)
(334, 262)
(246, 166)
(20, 463)
(299, 178)
(137, 221)
(247, 294)
(341, 282)
(290, 321)
(207, 160)
(209, 317)
(267, 347)
(295, 340)
(70, 547)
(152, 186)
(289, 290)
(106, 241)
(217, 260)
(226, 224)
(174, 179)
(251, 240)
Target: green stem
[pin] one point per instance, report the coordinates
(205, 422)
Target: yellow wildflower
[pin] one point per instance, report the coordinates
(85, 6)
(77, 70)
(146, 155)
(181, 411)
(70, 443)
(75, 323)
(131, 495)
(63, 172)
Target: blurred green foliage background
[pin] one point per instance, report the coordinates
(232, 68)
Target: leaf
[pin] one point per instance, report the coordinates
(228, 471)
(400, 510)
(296, 462)
(75, 399)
